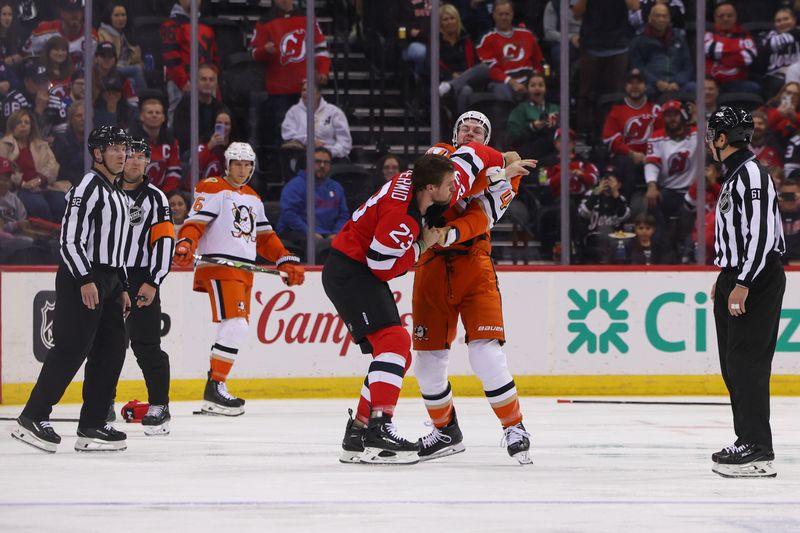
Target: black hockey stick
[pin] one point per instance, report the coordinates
(14, 418)
(639, 402)
(239, 264)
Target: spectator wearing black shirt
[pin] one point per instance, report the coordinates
(69, 147)
(10, 34)
(208, 107)
(789, 203)
(778, 50)
(111, 108)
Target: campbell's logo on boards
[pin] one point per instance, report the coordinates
(44, 303)
(283, 321)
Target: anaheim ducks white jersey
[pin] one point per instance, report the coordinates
(233, 218)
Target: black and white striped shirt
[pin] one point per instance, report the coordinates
(151, 235)
(95, 227)
(748, 224)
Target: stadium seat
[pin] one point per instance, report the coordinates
(356, 181)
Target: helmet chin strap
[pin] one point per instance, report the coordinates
(103, 162)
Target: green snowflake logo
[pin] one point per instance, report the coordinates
(610, 311)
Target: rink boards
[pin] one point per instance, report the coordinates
(568, 332)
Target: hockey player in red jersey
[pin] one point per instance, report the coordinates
(383, 240)
(227, 220)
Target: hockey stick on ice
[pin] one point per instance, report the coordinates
(239, 264)
(637, 402)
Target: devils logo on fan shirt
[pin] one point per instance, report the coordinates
(639, 128)
(293, 47)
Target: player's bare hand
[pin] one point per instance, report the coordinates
(522, 167)
(126, 304)
(510, 157)
(443, 236)
(146, 295)
(89, 295)
(736, 300)
(430, 236)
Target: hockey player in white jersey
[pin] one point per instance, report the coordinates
(227, 221)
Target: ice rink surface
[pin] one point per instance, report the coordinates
(596, 468)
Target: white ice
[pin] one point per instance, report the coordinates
(596, 468)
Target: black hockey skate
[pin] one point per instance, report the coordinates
(156, 421)
(745, 460)
(518, 443)
(383, 445)
(218, 401)
(352, 445)
(104, 439)
(442, 442)
(39, 434)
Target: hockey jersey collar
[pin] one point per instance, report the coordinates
(735, 161)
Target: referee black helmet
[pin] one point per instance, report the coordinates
(105, 136)
(734, 122)
(137, 144)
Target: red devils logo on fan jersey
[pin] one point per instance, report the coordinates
(639, 129)
(512, 52)
(293, 47)
(677, 162)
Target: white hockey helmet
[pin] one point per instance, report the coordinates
(473, 115)
(238, 151)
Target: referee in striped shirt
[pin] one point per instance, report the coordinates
(148, 256)
(91, 304)
(748, 292)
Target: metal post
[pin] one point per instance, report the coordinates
(564, 125)
(311, 87)
(88, 77)
(434, 54)
(700, 106)
(194, 98)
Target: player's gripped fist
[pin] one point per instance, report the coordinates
(290, 264)
(184, 253)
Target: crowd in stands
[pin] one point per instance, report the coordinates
(633, 148)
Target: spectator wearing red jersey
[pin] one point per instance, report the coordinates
(458, 60)
(176, 33)
(604, 37)
(730, 50)
(164, 169)
(58, 63)
(512, 54)
(783, 111)
(762, 146)
(279, 42)
(211, 153)
(627, 128)
(583, 174)
(69, 26)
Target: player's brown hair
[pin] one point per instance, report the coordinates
(430, 170)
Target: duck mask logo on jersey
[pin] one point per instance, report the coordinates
(293, 47)
(245, 222)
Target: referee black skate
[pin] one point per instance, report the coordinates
(148, 256)
(91, 304)
(748, 292)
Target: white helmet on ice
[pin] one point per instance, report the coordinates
(473, 115)
(240, 152)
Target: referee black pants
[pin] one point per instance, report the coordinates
(144, 333)
(746, 348)
(80, 334)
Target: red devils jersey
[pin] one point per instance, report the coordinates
(164, 169)
(286, 67)
(381, 233)
(628, 128)
(767, 156)
(515, 54)
(670, 162)
(176, 37)
(583, 176)
(728, 54)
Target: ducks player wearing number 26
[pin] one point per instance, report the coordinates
(227, 221)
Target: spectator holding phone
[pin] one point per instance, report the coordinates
(783, 116)
(532, 123)
(211, 154)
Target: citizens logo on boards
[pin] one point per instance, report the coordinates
(586, 317)
(44, 303)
